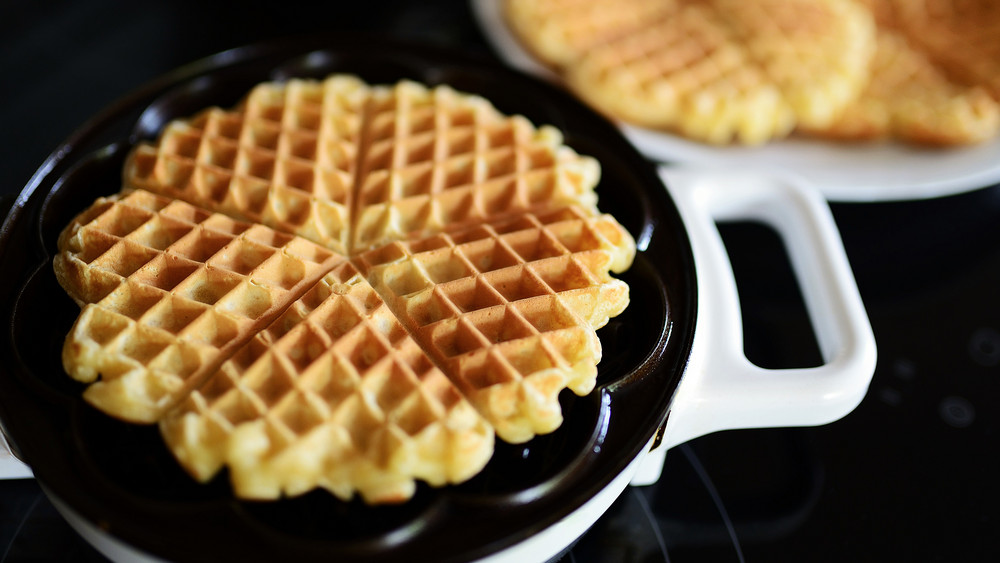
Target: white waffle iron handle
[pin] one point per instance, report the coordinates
(10, 466)
(721, 389)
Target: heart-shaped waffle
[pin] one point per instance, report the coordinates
(456, 274)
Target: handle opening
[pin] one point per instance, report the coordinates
(776, 315)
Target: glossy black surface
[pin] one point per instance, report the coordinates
(120, 476)
(911, 475)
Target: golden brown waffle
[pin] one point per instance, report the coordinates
(962, 37)
(334, 394)
(295, 155)
(912, 96)
(269, 354)
(284, 157)
(816, 52)
(920, 71)
(718, 71)
(509, 309)
(557, 31)
(911, 99)
(168, 292)
(435, 158)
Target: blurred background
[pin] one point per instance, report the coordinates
(64, 61)
(912, 474)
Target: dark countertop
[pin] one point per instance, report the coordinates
(902, 478)
(64, 61)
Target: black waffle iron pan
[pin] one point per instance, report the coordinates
(118, 484)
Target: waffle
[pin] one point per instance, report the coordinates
(910, 99)
(962, 37)
(558, 31)
(915, 94)
(168, 292)
(508, 309)
(295, 156)
(435, 158)
(284, 157)
(718, 71)
(292, 350)
(334, 394)
(724, 71)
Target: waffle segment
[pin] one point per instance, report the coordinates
(284, 157)
(509, 309)
(736, 72)
(962, 37)
(435, 158)
(557, 31)
(334, 394)
(169, 291)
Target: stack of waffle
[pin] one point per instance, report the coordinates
(731, 71)
(344, 286)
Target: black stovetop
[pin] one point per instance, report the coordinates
(910, 475)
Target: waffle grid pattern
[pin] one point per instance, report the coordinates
(176, 288)
(912, 99)
(719, 71)
(285, 158)
(962, 36)
(818, 68)
(255, 349)
(568, 27)
(923, 72)
(510, 308)
(435, 158)
(685, 71)
(334, 394)
(293, 155)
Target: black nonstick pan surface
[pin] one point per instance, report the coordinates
(121, 478)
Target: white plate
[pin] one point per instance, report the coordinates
(841, 172)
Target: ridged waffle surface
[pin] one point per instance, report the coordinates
(295, 156)
(168, 291)
(459, 297)
(557, 31)
(928, 82)
(437, 158)
(911, 99)
(735, 71)
(718, 71)
(285, 157)
(509, 308)
(961, 36)
(335, 394)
